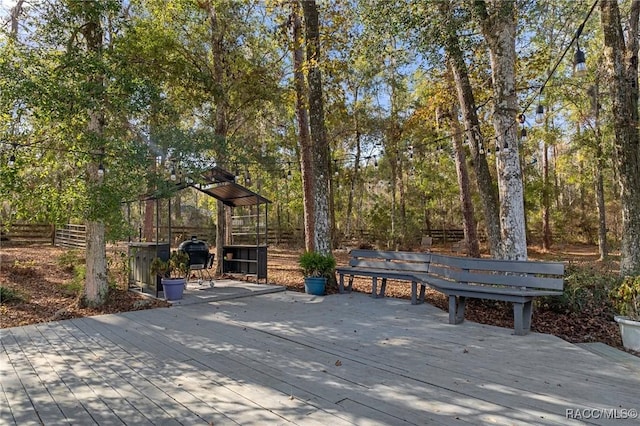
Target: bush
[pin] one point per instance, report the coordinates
(68, 260)
(76, 284)
(626, 298)
(315, 264)
(8, 295)
(587, 288)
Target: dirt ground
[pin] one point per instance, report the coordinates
(49, 293)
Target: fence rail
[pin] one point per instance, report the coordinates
(71, 236)
(26, 232)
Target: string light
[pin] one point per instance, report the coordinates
(539, 114)
(579, 63)
(12, 160)
(100, 171)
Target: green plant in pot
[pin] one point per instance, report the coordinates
(173, 273)
(626, 299)
(316, 268)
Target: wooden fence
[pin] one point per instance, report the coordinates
(26, 232)
(71, 236)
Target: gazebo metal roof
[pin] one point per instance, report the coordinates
(220, 184)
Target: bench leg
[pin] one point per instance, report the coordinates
(522, 317)
(415, 299)
(383, 287)
(341, 287)
(374, 287)
(456, 309)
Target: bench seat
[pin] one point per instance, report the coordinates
(459, 278)
(515, 281)
(381, 264)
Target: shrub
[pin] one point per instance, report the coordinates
(626, 298)
(68, 260)
(315, 264)
(76, 284)
(587, 288)
(8, 295)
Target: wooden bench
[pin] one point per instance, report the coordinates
(379, 264)
(513, 281)
(446, 235)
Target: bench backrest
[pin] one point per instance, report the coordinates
(402, 261)
(513, 273)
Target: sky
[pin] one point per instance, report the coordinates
(5, 7)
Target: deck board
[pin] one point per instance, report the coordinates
(290, 358)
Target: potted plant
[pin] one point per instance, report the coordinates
(173, 273)
(626, 298)
(316, 268)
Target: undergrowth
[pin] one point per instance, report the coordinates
(587, 289)
(8, 295)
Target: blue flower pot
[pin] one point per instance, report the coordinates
(315, 285)
(173, 288)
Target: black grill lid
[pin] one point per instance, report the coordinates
(197, 250)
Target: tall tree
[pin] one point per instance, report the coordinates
(497, 20)
(621, 58)
(96, 285)
(477, 144)
(321, 169)
(78, 163)
(302, 116)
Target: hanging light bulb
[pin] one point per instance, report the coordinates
(375, 162)
(173, 176)
(12, 160)
(506, 147)
(521, 118)
(100, 170)
(523, 134)
(289, 175)
(579, 63)
(540, 114)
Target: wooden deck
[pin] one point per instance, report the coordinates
(287, 357)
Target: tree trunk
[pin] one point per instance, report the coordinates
(466, 203)
(96, 285)
(486, 185)
(304, 139)
(356, 166)
(498, 25)
(221, 124)
(546, 200)
(149, 220)
(603, 249)
(322, 229)
(622, 72)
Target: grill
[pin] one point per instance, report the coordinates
(200, 260)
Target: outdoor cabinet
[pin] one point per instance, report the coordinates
(140, 257)
(245, 259)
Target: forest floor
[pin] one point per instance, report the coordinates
(43, 278)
